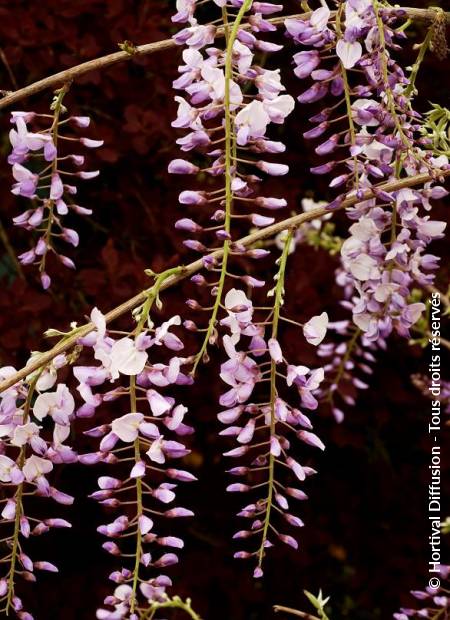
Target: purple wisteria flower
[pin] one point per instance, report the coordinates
(227, 98)
(141, 440)
(29, 453)
(434, 602)
(348, 365)
(39, 168)
(261, 424)
(387, 251)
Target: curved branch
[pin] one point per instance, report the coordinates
(103, 62)
(292, 222)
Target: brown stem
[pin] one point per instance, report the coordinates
(9, 71)
(52, 81)
(270, 231)
(295, 612)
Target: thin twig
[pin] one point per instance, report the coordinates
(294, 612)
(9, 71)
(9, 250)
(445, 343)
(52, 81)
(292, 222)
(443, 297)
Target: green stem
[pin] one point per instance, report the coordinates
(174, 603)
(278, 302)
(340, 371)
(57, 111)
(9, 250)
(348, 102)
(230, 159)
(410, 89)
(139, 506)
(153, 295)
(388, 92)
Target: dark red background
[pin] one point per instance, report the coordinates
(365, 540)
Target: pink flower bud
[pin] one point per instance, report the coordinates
(66, 261)
(170, 541)
(88, 174)
(56, 187)
(46, 566)
(258, 253)
(9, 511)
(91, 144)
(111, 548)
(238, 471)
(292, 520)
(288, 540)
(188, 225)
(193, 244)
(235, 452)
(261, 220)
(181, 166)
(223, 235)
(168, 559)
(81, 121)
(253, 282)
(242, 555)
(296, 468)
(271, 203)
(26, 562)
(106, 482)
(45, 281)
(71, 236)
(78, 160)
(138, 470)
(178, 512)
(145, 524)
(311, 439)
(60, 497)
(192, 198)
(266, 8)
(179, 474)
(237, 488)
(272, 169)
(24, 527)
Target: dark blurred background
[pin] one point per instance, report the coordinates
(365, 540)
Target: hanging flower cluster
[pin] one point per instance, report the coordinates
(136, 444)
(37, 165)
(216, 84)
(261, 423)
(383, 276)
(435, 603)
(228, 105)
(387, 249)
(348, 366)
(35, 420)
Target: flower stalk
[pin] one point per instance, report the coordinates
(231, 31)
(277, 305)
(18, 499)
